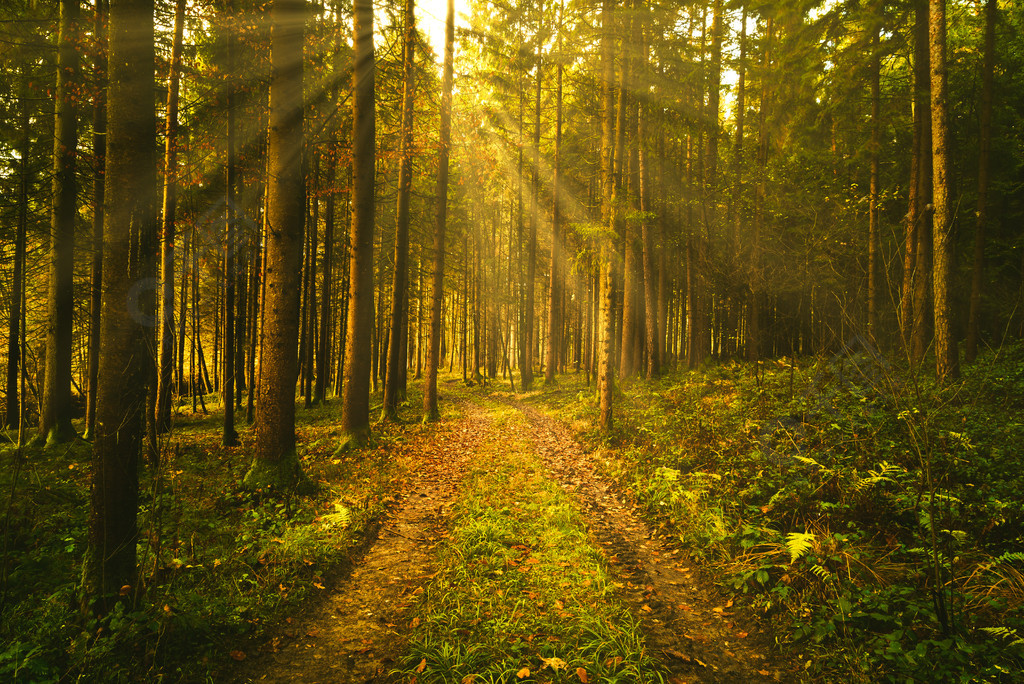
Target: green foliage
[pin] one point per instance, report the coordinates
(871, 517)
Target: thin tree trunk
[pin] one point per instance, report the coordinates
(922, 328)
(555, 287)
(755, 284)
(984, 148)
(947, 364)
(15, 330)
(605, 377)
(430, 410)
(170, 199)
(874, 293)
(400, 283)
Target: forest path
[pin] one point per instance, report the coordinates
(688, 624)
(351, 635)
(359, 632)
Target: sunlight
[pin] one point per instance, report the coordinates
(430, 16)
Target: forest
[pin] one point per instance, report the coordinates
(494, 341)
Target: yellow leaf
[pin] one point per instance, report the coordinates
(469, 679)
(422, 666)
(582, 674)
(555, 664)
(523, 673)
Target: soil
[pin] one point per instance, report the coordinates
(357, 631)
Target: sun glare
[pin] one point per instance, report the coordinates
(430, 16)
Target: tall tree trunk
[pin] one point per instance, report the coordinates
(922, 328)
(323, 352)
(555, 287)
(947, 364)
(275, 464)
(430, 411)
(650, 279)
(400, 282)
(55, 412)
(15, 330)
(874, 294)
(356, 390)
(531, 249)
(99, 148)
(760, 192)
(170, 200)
(229, 436)
(131, 222)
(605, 370)
(984, 147)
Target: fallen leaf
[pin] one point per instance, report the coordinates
(646, 608)
(559, 605)
(677, 655)
(555, 664)
(765, 673)
(238, 655)
(677, 680)
(469, 679)
(728, 604)
(718, 609)
(415, 623)
(523, 673)
(741, 635)
(422, 666)
(582, 674)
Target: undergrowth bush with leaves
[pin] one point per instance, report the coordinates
(871, 515)
(216, 564)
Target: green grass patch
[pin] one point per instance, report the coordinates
(520, 588)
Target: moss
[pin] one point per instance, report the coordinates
(281, 475)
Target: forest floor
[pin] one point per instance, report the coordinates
(363, 627)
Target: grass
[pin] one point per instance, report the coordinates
(521, 594)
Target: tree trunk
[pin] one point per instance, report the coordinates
(947, 365)
(400, 282)
(15, 330)
(109, 570)
(55, 413)
(430, 411)
(984, 147)
(170, 199)
(650, 279)
(555, 287)
(99, 142)
(874, 294)
(922, 328)
(760, 192)
(275, 465)
(605, 370)
(356, 390)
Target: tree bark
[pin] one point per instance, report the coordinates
(874, 293)
(984, 149)
(55, 412)
(605, 370)
(275, 464)
(170, 200)
(555, 287)
(355, 421)
(430, 411)
(130, 224)
(922, 327)
(947, 365)
(15, 330)
(400, 282)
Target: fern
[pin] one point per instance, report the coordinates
(798, 543)
(340, 518)
(1010, 635)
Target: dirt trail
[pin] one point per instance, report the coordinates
(691, 627)
(356, 633)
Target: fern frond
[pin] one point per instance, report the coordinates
(1010, 635)
(798, 543)
(821, 573)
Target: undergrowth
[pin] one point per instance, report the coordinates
(872, 517)
(216, 564)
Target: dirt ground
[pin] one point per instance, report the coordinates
(357, 631)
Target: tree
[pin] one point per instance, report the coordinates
(275, 464)
(430, 411)
(984, 151)
(947, 364)
(605, 356)
(400, 283)
(170, 200)
(130, 228)
(355, 417)
(55, 413)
